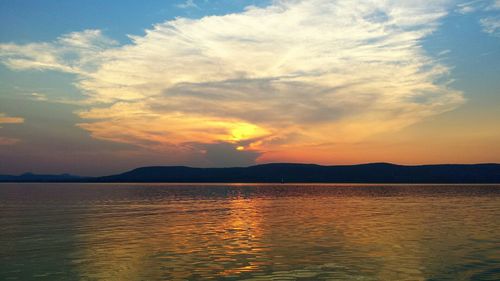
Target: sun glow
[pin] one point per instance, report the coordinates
(246, 131)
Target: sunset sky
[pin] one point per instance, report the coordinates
(98, 87)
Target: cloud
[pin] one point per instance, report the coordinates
(223, 154)
(290, 75)
(496, 4)
(5, 119)
(477, 5)
(187, 4)
(38, 96)
(468, 7)
(8, 141)
(76, 52)
(491, 25)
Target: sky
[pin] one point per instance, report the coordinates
(99, 87)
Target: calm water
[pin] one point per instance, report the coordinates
(249, 232)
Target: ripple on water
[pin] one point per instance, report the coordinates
(249, 232)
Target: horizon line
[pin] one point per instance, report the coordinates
(254, 165)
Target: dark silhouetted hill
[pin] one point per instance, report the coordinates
(364, 173)
(299, 173)
(29, 177)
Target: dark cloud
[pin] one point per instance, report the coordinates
(223, 154)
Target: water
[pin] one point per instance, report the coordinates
(249, 232)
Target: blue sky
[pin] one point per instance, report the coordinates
(28, 20)
(412, 83)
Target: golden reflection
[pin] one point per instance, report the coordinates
(242, 234)
(238, 233)
(120, 245)
(199, 235)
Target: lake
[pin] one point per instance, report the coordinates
(249, 232)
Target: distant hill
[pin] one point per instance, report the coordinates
(299, 173)
(365, 173)
(29, 177)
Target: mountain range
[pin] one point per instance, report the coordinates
(292, 173)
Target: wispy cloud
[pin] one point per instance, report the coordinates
(296, 73)
(5, 119)
(467, 7)
(489, 21)
(77, 52)
(477, 5)
(491, 25)
(187, 4)
(496, 4)
(8, 141)
(38, 96)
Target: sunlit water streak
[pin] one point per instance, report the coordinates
(249, 232)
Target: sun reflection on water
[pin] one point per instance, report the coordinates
(254, 232)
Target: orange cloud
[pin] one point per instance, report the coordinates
(4, 119)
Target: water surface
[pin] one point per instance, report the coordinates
(249, 232)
